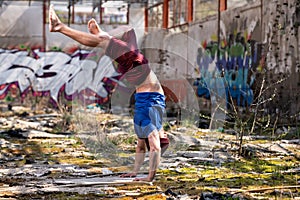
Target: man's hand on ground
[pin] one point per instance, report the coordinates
(130, 175)
(146, 179)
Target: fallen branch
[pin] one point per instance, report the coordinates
(271, 188)
(106, 183)
(105, 180)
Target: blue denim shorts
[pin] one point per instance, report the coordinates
(148, 113)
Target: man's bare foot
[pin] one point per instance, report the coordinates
(95, 29)
(54, 22)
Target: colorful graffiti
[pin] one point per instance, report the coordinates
(86, 75)
(237, 61)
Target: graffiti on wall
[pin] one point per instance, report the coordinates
(86, 75)
(236, 61)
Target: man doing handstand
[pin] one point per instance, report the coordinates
(149, 96)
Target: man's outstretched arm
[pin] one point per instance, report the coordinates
(140, 153)
(154, 156)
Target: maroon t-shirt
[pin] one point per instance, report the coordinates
(132, 65)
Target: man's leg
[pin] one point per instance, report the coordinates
(100, 40)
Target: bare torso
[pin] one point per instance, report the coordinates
(151, 84)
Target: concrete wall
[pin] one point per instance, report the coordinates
(257, 41)
(281, 36)
(21, 24)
